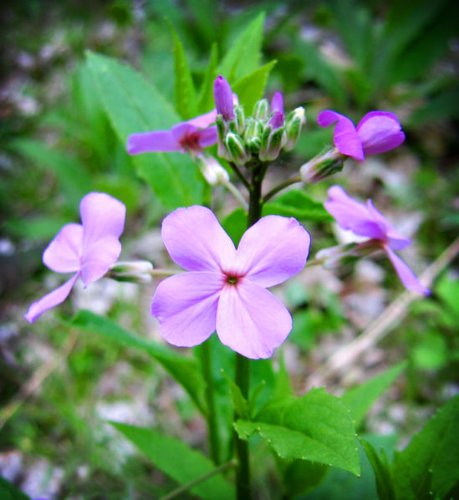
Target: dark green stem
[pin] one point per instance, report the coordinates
(212, 428)
(240, 175)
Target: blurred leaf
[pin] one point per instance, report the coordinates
(9, 492)
(206, 96)
(176, 459)
(381, 469)
(443, 106)
(36, 228)
(235, 224)
(244, 55)
(431, 352)
(250, 88)
(360, 399)
(315, 427)
(296, 203)
(301, 476)
(185, 92)
(133, 105)
(428, 467)
(448, 290)
(184, 370)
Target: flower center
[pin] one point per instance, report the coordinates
(232, 279)
(190, 142)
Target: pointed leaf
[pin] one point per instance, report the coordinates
(206, 96)
(133, 105)
(184, 370)
(384, 484)
(178, 460)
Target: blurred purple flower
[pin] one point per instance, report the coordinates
(377, 132)
(365, 220)
(277, 109)
(224, 100)
(87, 249)
(225, 288)
(191, 136)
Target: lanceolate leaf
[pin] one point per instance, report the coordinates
(206, 96)
(184, 370)
(316, 427)
(384, 484)
(178, 460)
(134, 105)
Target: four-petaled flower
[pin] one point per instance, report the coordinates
(224, 289)
(365, 220)
(191, 136)
(377, 132)
(87, 249)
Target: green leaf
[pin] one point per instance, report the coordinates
(185, 93)
(184, 370)
(235, 224)
(173, 457)
(301, 476)
(315, 427)
(296, 203)
(244, 55)
(133, 105)
(206, 96)
(428, 467)
(360, 399)
(250, 88)
(9, 492)
(384, 484)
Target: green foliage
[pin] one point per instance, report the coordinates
(9, 492)
(184, 370)
(316, 427)
(177, 460)
(381, 469)
(134, 105)
(296, 203)
(206, 96)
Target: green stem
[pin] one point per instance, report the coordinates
(240, 175)
(280, 187)
(212, 428)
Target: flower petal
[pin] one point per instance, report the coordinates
(406, 275)
(157, 141)
(204, 121)
(50, 300)
(353, 215)
(380, 131)
(98, 257)
(251, 321)
(272, 250)
(196, 241)
(63, 253)
(186, 307)
(345, 136)
(277, 103)
(208, 137)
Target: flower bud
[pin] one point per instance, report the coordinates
(277, 103)
(261, 110)
(223, 96)
(236, 149)
(293, 125)
(321, 167)
(270, 149)
(212, 171)
(135, 271)
(239, 119)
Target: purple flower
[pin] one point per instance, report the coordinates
(365, 220)
(191, 136)
(377, 132)
(223, 96)
(225, 288)
(87, 249)
(277, 109)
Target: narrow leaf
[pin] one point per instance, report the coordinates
(184, 370)
(206, 96)
(384, 485)
(178, 460)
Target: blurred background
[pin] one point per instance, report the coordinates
(58, 385)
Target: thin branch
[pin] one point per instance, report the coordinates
(240, 175)
(280, 187)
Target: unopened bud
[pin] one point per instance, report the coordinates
(223, 96)
(236, 149)
(221, 132)
(293, 125)
(261, 110)
(239, 119)
(139, 271)
(212, 171)
(253, 129)
(271, 150)
(321, 166)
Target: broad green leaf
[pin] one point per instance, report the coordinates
(10, 492)
(381, 470)
(176, 459)
(244, 55)
(316, 427)
(133, 105)
(428, 467)
(235, 224)
(206, 96)
(360, 399)
(301, 476)
(296, 203)
(250, 88)
(36, 228)
(184, 370)
(185, 93)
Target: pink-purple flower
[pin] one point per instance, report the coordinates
(87, 249)
(224, 289)
(365, 220)
(191, 136)
(224, 99)
(377, 132)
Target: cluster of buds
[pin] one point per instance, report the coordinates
(259, 137)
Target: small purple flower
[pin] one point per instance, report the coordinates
(224, 100)
(87, 249)
(377, 132)
(224, 289)
(277, 109)
(365, 220)
(191, 136)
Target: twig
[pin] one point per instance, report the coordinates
(384, 323)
